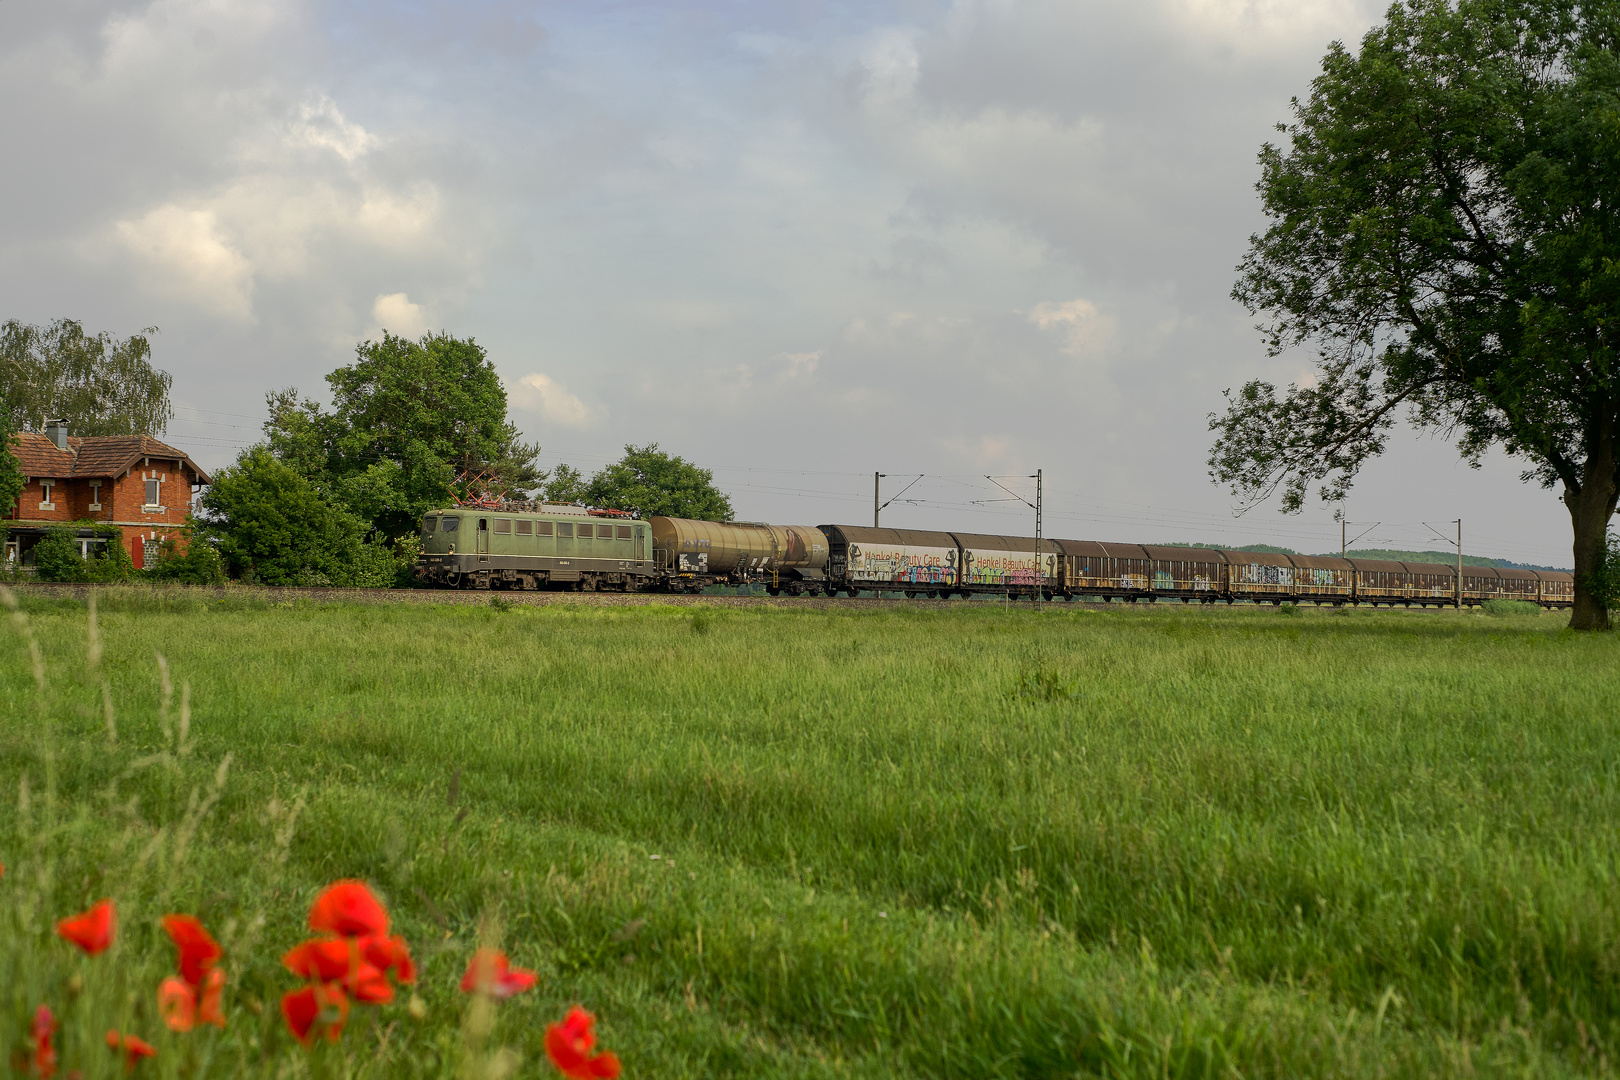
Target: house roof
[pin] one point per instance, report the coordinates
(98, 455)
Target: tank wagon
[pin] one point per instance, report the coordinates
(572, 547)
(691, 555)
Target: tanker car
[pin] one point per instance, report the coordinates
(577, 548)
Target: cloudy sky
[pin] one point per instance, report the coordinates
(795, 242)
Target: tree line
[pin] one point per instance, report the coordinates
(330, 496)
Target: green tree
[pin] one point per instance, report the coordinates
(11, 476)
(565, 485)
(1445, 232)
(98, 384)
(649, 481)
(407, 416)
(57, 557)
(272, 526)
(200, 565)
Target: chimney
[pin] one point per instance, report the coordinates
(56, 431)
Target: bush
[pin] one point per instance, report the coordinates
(374, 567)
(200, 565)
(273, 527)
(1511, 607)
(56, 558)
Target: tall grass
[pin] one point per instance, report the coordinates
(966, 843)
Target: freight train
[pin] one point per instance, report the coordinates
(577, 548)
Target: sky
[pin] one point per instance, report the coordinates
(794, 242)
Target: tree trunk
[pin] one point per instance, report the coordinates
(1590, 509)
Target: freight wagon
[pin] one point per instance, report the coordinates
(572, 547)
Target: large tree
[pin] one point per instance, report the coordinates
(97, 383)
(648, 481)
(1445, 232)
(407, 417)
(272, 526)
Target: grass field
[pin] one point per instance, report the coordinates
(962, 842)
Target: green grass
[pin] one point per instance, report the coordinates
(960, 842)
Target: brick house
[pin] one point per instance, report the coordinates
(135, 482)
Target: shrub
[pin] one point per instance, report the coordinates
(57, 558)
(200, 565)
(1511, 607)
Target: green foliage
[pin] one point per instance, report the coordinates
(565, 485)
(1511, 607)
(273, 527)
(406, 416)
(200, 565)
(1287, 608)
(100, 385)
(57, 558)
(11, 475)
(648, 481)
(1604, 583)
(1223, 858)
(1441, 234)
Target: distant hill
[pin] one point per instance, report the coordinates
(1447, 557)
(1268, 549)
(1387, 555)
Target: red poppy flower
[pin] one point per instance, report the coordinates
(386, 953)
(321, 959)
(348, 909)
(569, 1046)
(198, 949)
(490, 974)
(314, 1010)
(177, 1004)
(92, 931)
(134, 1047)
(209, 1003)
(44, 1057)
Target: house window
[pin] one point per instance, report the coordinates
(152, 492)
(45, 502)
(95, 494)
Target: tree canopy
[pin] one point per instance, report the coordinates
(648, 481)
(100, 385)
(1445, 232)
(406, 417)
(272, 526)
(11, 475)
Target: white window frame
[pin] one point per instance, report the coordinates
(152, 506)
(46, 502)
(95, 494)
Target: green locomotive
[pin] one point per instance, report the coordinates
(473, 547)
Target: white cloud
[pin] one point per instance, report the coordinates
(543, 395)
(184, 253)
(320, 124)
(799, 365)
(396, 314)
(1086, 331)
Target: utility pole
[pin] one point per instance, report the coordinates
(875, 507)
(1459, 564)
(1342, 525)
(1040, 554)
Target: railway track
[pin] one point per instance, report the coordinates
(541, 598)
(484, 598)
